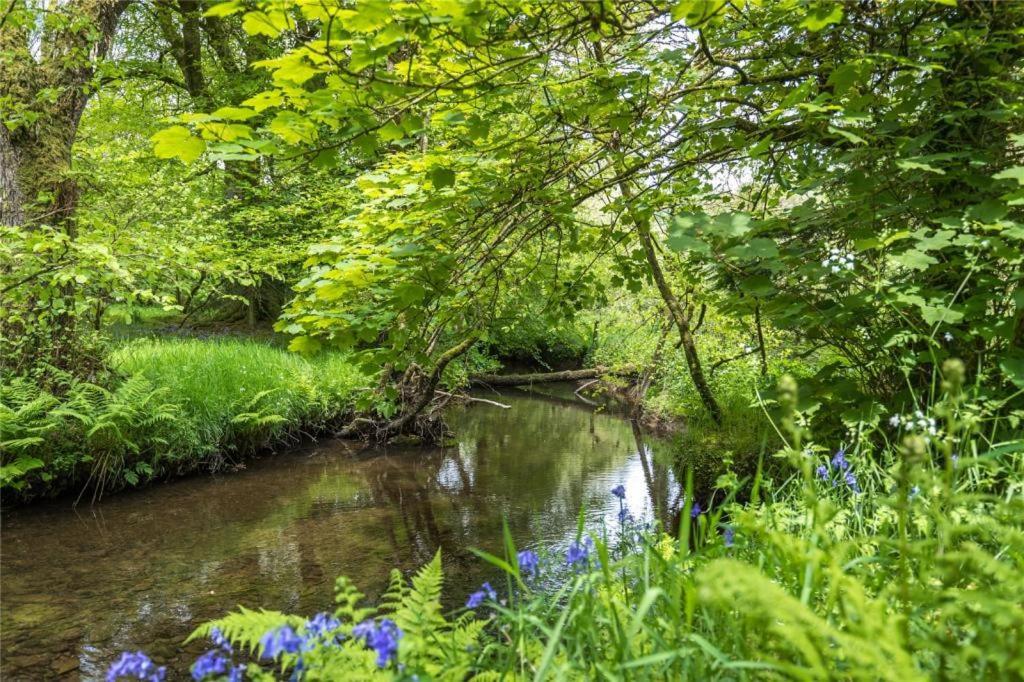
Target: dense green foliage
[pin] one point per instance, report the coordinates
(709, 197)
(174, 406)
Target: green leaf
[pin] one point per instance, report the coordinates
(177, 142)
(915, 260)
(441, 177)
(1012, 365)
(910, 164)
(754, 249)
(234, 113)
(823, 15)
(304, 344)
(856, 139)
(1014, 173)
(224, 9)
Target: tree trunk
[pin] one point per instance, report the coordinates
(679, 314)
(548, 377)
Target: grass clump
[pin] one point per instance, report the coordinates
(171, 407)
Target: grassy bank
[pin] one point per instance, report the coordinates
(896, 556)
(168, 407)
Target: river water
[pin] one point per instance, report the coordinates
(142, 569)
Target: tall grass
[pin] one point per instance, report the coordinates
(178, 406)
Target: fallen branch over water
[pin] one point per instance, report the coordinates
(550, 377)
(471, 399)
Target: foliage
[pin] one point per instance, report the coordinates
(908, 567)
(181, 405)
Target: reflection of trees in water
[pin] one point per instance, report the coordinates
(151, 565)
(662, 488)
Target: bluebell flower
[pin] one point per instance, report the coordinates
(382, 638)
(728, 536)
(364, 629)
(579, 552)
(136, 666)
(914, 492)
(218, 638)
(322, 624)
(696, 510)
(624, 516)
(822, 472)
(619, 491)
(235, 674)
(839, 461)
(478, 597)
(280, 640)
(213, 662)
(955, 458)
(529, 564)
(851, 481)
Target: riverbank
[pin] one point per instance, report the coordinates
(168, 407)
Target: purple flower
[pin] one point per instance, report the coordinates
(218, 638)
(213, 662)
(280, 640)
(382, 638)
(579, 552)
(322, 624)
(529, 564)
(235, 674)
(137, 666)
(851, 481)
(728, 536)
(624, 516)
(839, 461)
(695, 510)
(478, 597)
(822, 472)
(619, 491)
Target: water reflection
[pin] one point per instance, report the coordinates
(140, 570)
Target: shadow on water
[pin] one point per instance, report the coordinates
(142, 569)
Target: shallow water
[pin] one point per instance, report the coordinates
(141, 570)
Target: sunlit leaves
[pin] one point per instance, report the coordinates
(177, 142)
(821, 15)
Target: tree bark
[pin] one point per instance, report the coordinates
(548, 377)
(35, 144)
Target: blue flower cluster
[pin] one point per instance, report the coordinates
(477, 598)
(579, 552)
(381, 637)
(135, 666)
(843, 471)
(217, 662)
(282, 640)
(529, 563)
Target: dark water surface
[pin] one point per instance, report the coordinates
(141, 570)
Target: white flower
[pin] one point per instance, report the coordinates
(947, 336)
(894, 420)
(747, 349)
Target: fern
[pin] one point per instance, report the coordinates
(245, 628)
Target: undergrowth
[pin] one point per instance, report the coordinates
(174, 406)
(898, 555)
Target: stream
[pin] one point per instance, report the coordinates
(142, 569)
